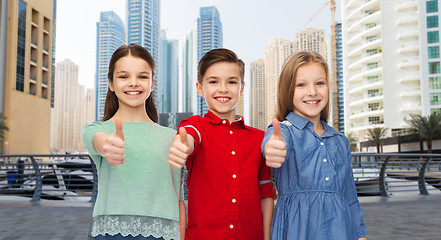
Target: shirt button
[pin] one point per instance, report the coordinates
(326, 178)
(324, 160)
(223, 121)
(322, 144)
(234, 176)
(231, 132)
(231, 226)
(234, 200)
(233, 152)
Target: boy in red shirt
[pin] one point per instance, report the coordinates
(230, 188)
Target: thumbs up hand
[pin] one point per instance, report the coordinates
(113, 147)
(275, 148)
(182, 147)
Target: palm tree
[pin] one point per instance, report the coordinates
(3, 128)
(352, 141)
(377, 135)
(427, 127)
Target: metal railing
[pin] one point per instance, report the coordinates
(388, 174)
(74, 176)
(55, 177)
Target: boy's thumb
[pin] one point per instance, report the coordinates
(183, 134)
(277, 131)
(119, 128)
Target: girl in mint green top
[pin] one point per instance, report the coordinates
(139, 194)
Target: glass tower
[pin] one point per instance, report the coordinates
(110, 35)
(209, 37)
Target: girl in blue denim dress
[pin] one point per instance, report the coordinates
(311, 161)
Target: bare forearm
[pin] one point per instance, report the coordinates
(267, 216)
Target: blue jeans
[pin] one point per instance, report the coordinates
(121, 237)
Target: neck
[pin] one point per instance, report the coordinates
(132, 115)
(318, 128)
(230, 116)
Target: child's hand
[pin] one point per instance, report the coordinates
(275, 148)
(180, 149)
(113, 148)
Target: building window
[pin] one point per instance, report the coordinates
(21, 46)
(375, 120)
(434, 67)
(432, 21)
(433, 37)
(370, 25)
(374, 106)
(372, 65)
(435, 99)
(372, 79)
(371, 38)
(437, 110)
(432, 6)
(435, 82)
(371, 52)
(433, 52)
(373, 92)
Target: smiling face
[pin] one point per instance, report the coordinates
(132, 82)
(311, 91)
(222, 87)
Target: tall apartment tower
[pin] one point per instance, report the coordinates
(383, 62)
(339, 121)
(110, 35)
(188, 72)
(312, 40)
(168, 75)
(258, 106)
(275, 55)
(26, 38)
(209, 37)
(70, 111)
(143, 19)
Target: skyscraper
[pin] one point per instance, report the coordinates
(384, 63)
(188, 72)
(168, 75)
(258, 104)
(311, 40)
(209, 37)
(143, 18)
(71, 110)
(275, 55)
(340, 121)
(110, 35)
(26, 39)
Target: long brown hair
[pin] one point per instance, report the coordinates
(287, 82)
(111, 105)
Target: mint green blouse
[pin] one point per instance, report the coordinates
(140, 196)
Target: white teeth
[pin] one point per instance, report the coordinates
(222, 99)
(312, 102)
(133, 93)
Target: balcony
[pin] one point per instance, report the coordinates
(411, 92)
(407, 5)
(367, 113)
(366, 45)
(357, 13)
(364, 73)
(409, 63)
(409, 48)
(408, 34)
(410, 78)
(365, 58)
(365, 85)
(369, 32)
(373, 97)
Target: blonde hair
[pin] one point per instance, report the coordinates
(287, 82)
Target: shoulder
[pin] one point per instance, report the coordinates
(193, 120)
(96, 126)
(166, 130)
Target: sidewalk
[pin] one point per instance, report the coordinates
(398, 217)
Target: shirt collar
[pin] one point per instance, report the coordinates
(301, 122)
(212, 118)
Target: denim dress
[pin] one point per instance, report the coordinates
(315, 184)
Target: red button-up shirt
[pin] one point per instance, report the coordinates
(227, 178)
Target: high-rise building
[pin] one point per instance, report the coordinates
(209, 37)
(312, 40)
(26, 39)
(383, 62)
(168, 75)
(188, 72)
(143, 20)
(429, 18)
(258, 106)
(339, 122)
(71, 111)
(110, 35)
(275, 55)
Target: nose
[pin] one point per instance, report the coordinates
(133, 82)
(223, 87)
(311, 90)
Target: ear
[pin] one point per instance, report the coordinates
(153, 85)
(111, 86)
(199, 88)
(242, 89)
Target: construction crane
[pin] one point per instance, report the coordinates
(334, 92)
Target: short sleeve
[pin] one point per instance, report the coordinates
(267, 188)
(88, 133)
(192, 128)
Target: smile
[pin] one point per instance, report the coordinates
(222, 99)
(133, 92)
(311, 101)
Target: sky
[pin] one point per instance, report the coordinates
(248, 26)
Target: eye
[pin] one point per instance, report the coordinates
(320, 83)
(144, 77)
(122, 76)
(212, 82)
(232, 82)
(300, 85)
